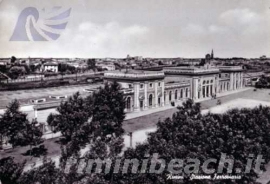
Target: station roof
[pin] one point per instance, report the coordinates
(134, 75)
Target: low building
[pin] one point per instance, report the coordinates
(50, 67)
(106, 66)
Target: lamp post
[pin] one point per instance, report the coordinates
(130, 138)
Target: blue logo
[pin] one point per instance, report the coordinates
(33, 25)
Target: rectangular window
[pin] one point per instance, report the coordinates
(141, 86)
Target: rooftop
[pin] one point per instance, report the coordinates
(230, 68)
(190, 70)
(51, 64)
(134, 74)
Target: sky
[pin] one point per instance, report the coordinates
(148, 28)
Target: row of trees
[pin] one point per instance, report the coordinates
(95, 122)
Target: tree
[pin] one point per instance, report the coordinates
(10, 172)
(107, 118)
(65, 68)
(160, 63)
(16, 127)
(32, 136)
(4, 69)
(202, 62)
(264, 82)
(13, 59)
(95, 121)
(47, 173)
(91, 63)
(72, 121)
(16, 71)
(12, 123)
(108, 110)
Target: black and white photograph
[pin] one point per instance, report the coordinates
(134, 92)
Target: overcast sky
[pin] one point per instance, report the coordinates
(149, 28)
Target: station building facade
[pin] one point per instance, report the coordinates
(147, 89)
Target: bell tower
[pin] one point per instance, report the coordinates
(212, 54)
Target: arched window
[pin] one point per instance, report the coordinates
(165, 96)
(128, 103)
(203, 91)
(186, 92)
(181, 93)
(175, 94)
(170, 96)
(150, 100)
(228, 86)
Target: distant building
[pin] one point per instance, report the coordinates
(263, 57)
(108, 67)
(3, 62)
(209, 57)
(50, 67)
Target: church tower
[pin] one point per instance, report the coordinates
(212, 54)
